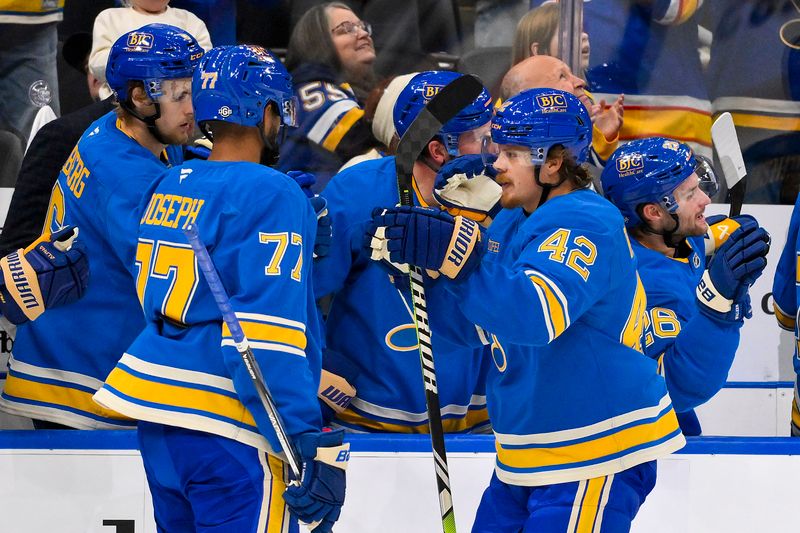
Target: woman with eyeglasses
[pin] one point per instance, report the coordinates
(330, 57)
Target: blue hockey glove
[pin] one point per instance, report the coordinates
(52, 271)
(465, 186)
(318, 499)
(721, 227)
(428, 238)
(304, 179)
(722, 291)
(322, 243)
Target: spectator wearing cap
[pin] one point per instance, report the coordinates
(75, 52)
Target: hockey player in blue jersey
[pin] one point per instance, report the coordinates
(372, 379)
(785, 293)
(579, 412)
(662, 190)
(212, 459)
(60, 360)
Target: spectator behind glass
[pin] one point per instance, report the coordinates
(537, 33)
(330, 57)
(28, 79)
(111, 23)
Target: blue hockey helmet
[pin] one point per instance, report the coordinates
(150, 54)
(648, 171)
(424, 86)
(235, 83)
(542, 118)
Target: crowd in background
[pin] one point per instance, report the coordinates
(678, 69)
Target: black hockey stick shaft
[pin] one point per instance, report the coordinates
(442, 107)
(243, 346)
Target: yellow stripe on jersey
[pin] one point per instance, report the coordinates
(555, 313)
(785, 321)
(590, 505)
(660, 362)
(178, 396)
(261, 332)
(27, 6)
(680, 123)
(763, 122)
(333, 139)
(473, 418)
(277, 512)
(589, 450)
(57, 395)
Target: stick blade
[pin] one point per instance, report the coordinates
(726, 143)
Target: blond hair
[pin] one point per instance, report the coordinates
(536, 26)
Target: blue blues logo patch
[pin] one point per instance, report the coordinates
(671, 145)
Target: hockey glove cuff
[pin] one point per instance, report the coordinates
(52, 271)
(430, 239)
(721, 227)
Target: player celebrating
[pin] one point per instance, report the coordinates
(372, 379)
(579, 413)
(211, 456)
(694, 313)
(62, 359)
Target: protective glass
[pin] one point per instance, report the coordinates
(709, 183)
(348, 27)
(471, 142)
(489, 150)
(289, 112)
(515, 156)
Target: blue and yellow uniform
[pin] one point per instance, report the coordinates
(565, 310)
(61, 359)
(331, 127)
(694, 352)
(370, 322)
(784, 293)
(183, 371)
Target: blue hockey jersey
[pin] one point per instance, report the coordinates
(183, 369)
(571, 396)
(62, 358)
(694, 352)
(371, 323)
(786, 285)
(331, 129)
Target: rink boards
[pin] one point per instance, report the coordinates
(77, 481)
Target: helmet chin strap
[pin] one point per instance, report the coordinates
(270, 152)
(669, 235)
(150, 121)
(546, 187)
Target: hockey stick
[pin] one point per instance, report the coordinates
(242, 345)
(726, 143)
(443, 106)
